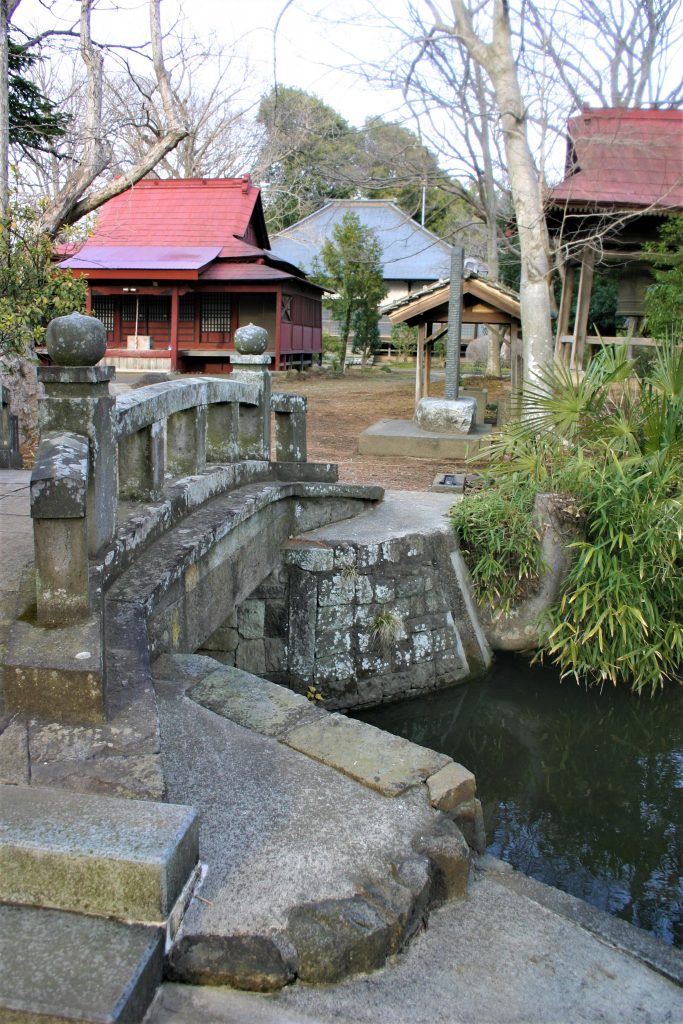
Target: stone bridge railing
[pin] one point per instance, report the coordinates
(97, 449)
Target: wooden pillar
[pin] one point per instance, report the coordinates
(582, 307)
(568, 274)
(516, 359)
(278, 323)
(429, 348)
(117, 339)
(633, 324)
(175, 303)
(419, 365)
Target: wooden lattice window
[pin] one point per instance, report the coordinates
(128, 307)
(287, 309)
(216, 312)
(158, 309)
(103, 308)
(186, 309)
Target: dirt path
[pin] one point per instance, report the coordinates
(339, 408)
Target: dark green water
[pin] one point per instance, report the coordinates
(582, 790)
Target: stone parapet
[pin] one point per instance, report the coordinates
(59, 490)
(290, 427)
(77, 401)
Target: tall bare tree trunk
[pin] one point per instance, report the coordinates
(497, 59)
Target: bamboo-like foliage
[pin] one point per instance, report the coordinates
(616, 443)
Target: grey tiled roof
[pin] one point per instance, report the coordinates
(468, 275)
(409, 252)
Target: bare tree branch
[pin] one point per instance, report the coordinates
(75, 199)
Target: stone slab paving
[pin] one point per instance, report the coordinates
(296, 852)
(128, 859)
(398, 515)
(501, 957)
(57, 966)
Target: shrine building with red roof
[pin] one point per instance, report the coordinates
(174, 267)
(623, 178)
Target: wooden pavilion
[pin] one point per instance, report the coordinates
(483, 302)
(175, 267)
(624, 175)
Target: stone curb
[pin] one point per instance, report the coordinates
(386, 763)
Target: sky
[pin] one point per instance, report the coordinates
(318, 47)
(307, 51)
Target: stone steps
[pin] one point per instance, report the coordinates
(89, 887)
(128, 859)
(59, 966)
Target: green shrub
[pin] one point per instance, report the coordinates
(502, 561)
(615, 442)
(32, 290)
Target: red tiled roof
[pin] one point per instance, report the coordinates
(184, 212)
(248, 272)
(243, 272)
(624, 157)
(141, 257)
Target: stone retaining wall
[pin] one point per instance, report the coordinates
(363, 624)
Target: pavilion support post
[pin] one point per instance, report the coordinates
(516, 359)
(419, 365)
(428, 367)
(278, 328)
(582, 307)
(568, 274)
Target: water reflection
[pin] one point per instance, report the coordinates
(580, 789)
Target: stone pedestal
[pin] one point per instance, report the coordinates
(446, 416)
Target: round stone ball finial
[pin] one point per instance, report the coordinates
(76, 340)
(251, 340)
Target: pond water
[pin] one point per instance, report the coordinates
(581, 789)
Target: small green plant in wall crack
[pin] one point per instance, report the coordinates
(386, 628)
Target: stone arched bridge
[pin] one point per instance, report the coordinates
(161, 518)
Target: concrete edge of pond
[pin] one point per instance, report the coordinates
(625, 937)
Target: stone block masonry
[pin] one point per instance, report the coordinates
(363, 620)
